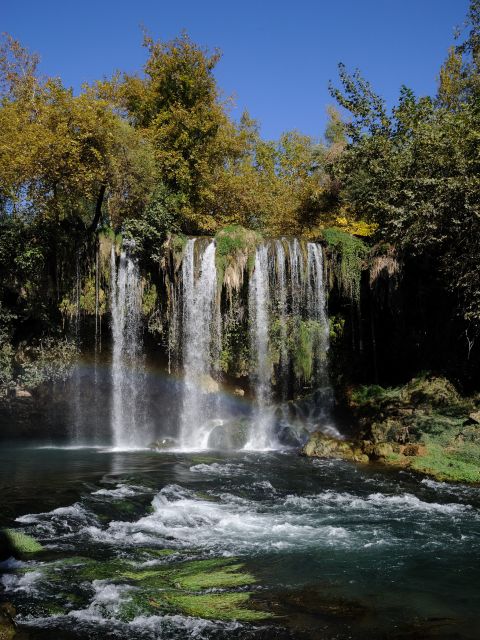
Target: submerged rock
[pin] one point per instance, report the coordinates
(162, 444)
(288, 436)
(230, 435)
(7, 624)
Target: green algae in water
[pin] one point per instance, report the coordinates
(160, 553)
(211, 574)
(21, 542)
(167, 589)
(217, 606)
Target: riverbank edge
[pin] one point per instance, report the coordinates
(425, 426)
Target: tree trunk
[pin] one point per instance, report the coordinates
(98, 210)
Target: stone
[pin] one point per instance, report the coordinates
(359, 456)
(163, 443)
(7, 625)
(22, 393)
(289, 437)
(474, 417)
(323, 446)
(238, 392)
(412, 449)
(382, 450)
(229, 436)
(208, 384)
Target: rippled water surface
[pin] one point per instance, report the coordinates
(331, 550)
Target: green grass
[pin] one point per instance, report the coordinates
(457, 463)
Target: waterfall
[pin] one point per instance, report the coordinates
(200, 327)
(258, 307)
(281, 295)
(296, 275)
(127, 366)
(286, 304)
(316, 308)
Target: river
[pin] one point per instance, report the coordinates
(317, 548)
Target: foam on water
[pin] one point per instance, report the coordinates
(218, 469)
(27, 582)
(229, 526)
(106, 602)
(60, 521)
(375, 501)
(121, 491)
(185, 626)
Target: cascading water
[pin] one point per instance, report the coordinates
(287, 300)
(127, 425)
(258, 302)
(316, 308)
(296, 275)
(288, 342)
(281, 296)
(200, 327)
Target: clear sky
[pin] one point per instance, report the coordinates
(278, 56)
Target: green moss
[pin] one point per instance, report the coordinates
(167, 589)
(336, 327)
(159, 553)
(235, 246)
(303, 342)
(179, 242)
(429, 414)
(155, 578)
(217, 606)
(207, 574)
(230, 239)
(22, 543)
(349, 255)
(104, 569)
(149, 299)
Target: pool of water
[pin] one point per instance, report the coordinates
(331, 549)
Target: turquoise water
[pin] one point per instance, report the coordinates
(334, 550)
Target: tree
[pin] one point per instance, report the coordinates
(62, 155)
(177, 106)
(416, 173)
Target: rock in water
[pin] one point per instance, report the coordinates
(163, 443)
(323, 446)
(229, 436)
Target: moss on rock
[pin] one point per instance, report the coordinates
(425, 425)
(20, 542)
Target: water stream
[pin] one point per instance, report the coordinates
(329, 550)
(127, 418)
(199, 294)
(258, 307)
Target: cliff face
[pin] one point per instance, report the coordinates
(270, 320)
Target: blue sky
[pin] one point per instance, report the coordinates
(277, 56)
